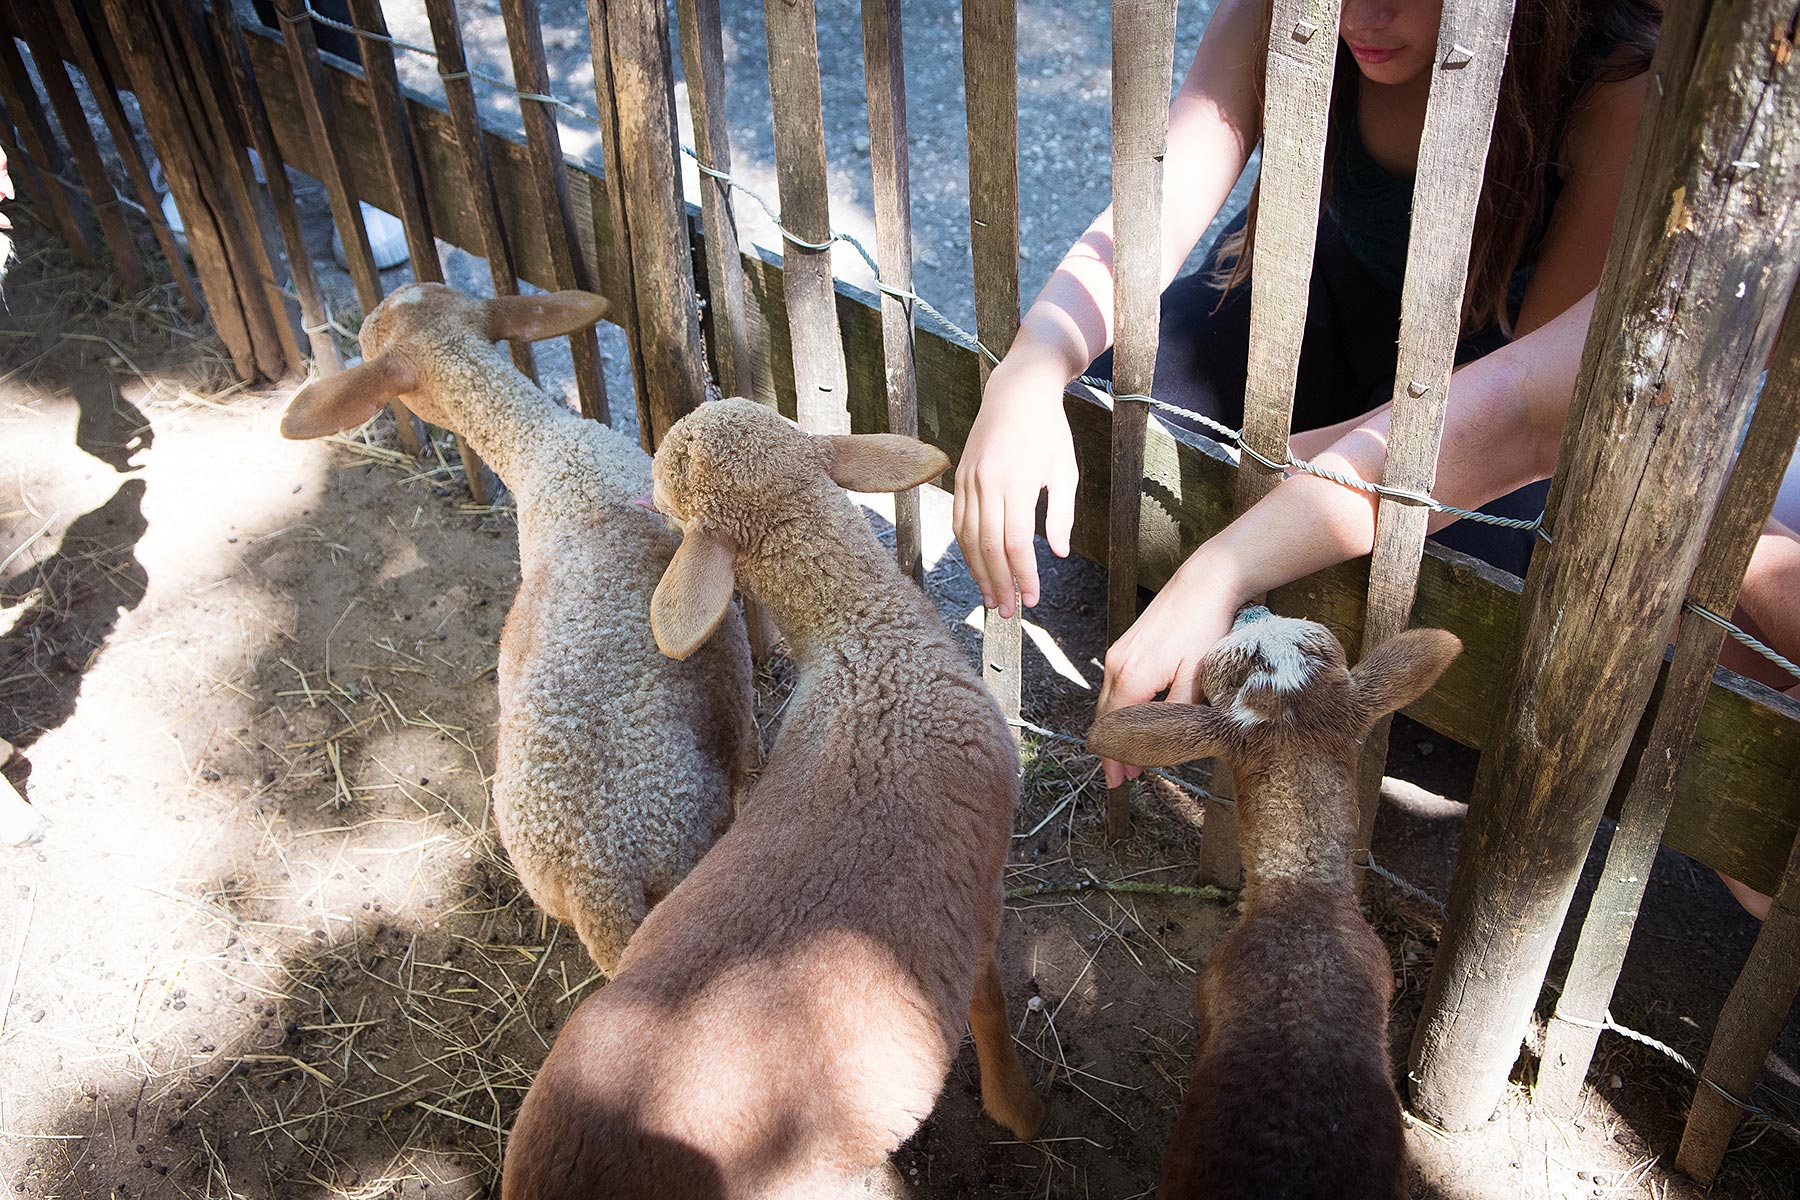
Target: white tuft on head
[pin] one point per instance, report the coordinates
(1277, 641)
(412, 293)
(1282, 665)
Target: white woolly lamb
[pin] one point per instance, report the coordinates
(617, 766)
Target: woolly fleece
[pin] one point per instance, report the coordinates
(787, 1017)
(617, 767)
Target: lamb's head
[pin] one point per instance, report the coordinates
(1277, 686)
(416, 327)
(733, 470)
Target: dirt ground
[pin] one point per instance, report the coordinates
(269, 945)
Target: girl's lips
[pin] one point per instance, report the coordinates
(1371, 55)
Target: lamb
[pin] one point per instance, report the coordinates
(1292, 1095)
(616, 767)
(786, 1018)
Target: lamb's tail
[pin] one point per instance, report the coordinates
(607, 921)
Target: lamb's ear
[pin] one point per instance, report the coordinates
(534, 318)
(347, 399)
(1402, 669)
(883, 462)
(1160, 734)
(694, 594)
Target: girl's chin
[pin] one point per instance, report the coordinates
(1402, 68)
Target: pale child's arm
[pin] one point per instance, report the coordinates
(1020, 445)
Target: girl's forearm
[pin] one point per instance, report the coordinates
(1213, 123)
(1501, 432)
(1771, 594)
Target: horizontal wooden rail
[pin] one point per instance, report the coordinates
(1736, 808)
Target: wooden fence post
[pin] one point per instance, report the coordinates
(1459, 119)
(1574, 1028)
(703, 56)
(174, 78)
(229, 38)
(69, 114)
(249, 233)
(991, 91)
(884, 72)
(92, 61)
(302, 47)
(634, 83)
(1666, 397)
(525, 39)
(41, 152)
(465, 118)
(820, 380)
(403, 169)
(1749, 1023)
(1303, 40)
(1143, 52)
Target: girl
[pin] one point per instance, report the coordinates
(1569, 103)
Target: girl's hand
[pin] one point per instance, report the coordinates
(1163, 650)
(1019, 446)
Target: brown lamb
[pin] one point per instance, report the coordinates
(616, 768)
(787, 1017)
(1291, 1097)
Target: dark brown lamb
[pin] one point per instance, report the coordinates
(1291, 1097)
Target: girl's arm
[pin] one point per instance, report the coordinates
(1771, 595)
(1020, 444)
(1572, 255)
(1502, 430)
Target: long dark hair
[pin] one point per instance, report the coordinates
(1537, 90)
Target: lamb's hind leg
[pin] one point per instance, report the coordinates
(1005, 1094)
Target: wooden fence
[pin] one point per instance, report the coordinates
(1563, 684)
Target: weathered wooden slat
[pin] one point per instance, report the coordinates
(525, 38)
(31, 183)
(391, 135)
(1643, 481)
(151, 37)
(39, 148)
(806, 211)
(236, 199)
(108, 213)
(1612, 913)
(1302, 53)
(1303, 41)
(326, 154)
(991, 88)
(1753, 1016)
(725, 324)
(395, 140)
(703, 59)
(226, 32)
(1633, 223)
(616, 274)
(1735, 808)
(80, 36)
(885, 83)
(1143, 41)
(634, 76)
(471, 145)
(1459, 118)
